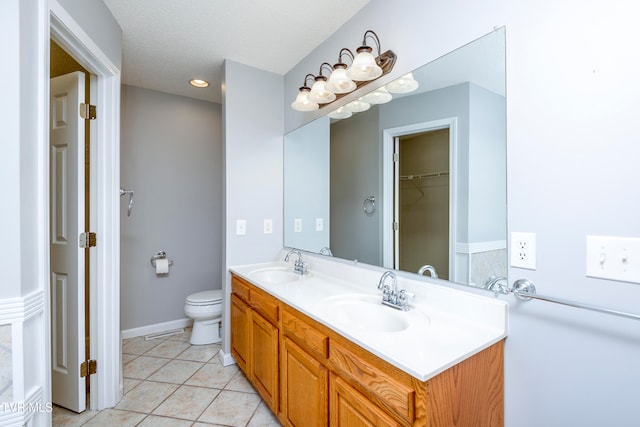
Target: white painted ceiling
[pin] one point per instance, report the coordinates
(168, 42)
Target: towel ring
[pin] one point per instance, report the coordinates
(369, 205)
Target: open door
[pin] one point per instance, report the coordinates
(67, 257)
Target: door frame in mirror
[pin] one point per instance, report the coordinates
(388, 136)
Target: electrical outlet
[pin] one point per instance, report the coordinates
(523, 250)
(297, 225)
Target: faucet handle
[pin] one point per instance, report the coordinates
(404, 297)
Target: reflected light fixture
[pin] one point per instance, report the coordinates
(404, 84)
(340, 113)
(365, 67)
(302, 102)
(357, 106)
(198, 83)
(378, 96)
(343, 80)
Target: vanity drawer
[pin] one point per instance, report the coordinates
(240, 288)
(265, 304)
(305, 335)
(360, 368)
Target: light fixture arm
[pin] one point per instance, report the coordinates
(372, 35)
(347, 50)
(323, 66)
(306, 78)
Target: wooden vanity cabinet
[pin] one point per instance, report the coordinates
(255, 338)
(323, 379)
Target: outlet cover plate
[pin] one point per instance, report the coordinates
(523, 250)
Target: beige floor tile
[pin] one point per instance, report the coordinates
(187, 402)
(263, 417)
(130, 383)
(231, 408)
(176, 371)
(239, 382)
(155, 421)
(143, 366)
(213, 375)
(64, 418)
(168, 349)
(138, 345)
(126, 358)
(199, 353)
(185, 336)
(114, 417)
(146, 396)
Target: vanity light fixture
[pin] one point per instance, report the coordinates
(343, 80)
(357, 106)
(319, 92)
(404, 84)
(365, 67)
(302, 102)
(199, 83)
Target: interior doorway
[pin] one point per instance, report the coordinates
(419, 193)
(421, 201)
(70, 213)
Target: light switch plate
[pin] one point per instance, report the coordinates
(614, 258)
(241, 227)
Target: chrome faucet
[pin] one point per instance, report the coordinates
(391, 296)
(430, 269)
(298, 266)
(497, 284)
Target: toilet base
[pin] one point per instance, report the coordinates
(205, 332)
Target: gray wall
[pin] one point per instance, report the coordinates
(171, 157)
(572, 152)
(252, 151)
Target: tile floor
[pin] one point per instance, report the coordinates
(168, 382)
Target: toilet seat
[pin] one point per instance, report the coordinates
(205, 298)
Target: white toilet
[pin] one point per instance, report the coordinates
(205, 308)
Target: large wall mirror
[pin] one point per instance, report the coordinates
(417, 181)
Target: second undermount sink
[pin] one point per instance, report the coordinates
(366, 313)
(275, 275)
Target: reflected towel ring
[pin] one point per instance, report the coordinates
(369, 205)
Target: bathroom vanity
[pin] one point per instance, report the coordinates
(321, 349)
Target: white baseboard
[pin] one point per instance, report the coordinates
(154, 329)
(226, 358)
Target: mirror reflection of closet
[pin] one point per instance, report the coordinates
(422, 201)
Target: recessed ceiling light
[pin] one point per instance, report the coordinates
(198, 83)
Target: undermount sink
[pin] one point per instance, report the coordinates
(275, 275)
(366, 313)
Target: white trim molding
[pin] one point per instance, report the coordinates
(20, 413)
(21, 308)
(156, 328)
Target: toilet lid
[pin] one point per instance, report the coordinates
(205, 297)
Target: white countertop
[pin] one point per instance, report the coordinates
(446, 325)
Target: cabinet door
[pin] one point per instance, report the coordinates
(305, 385)
(349, 408)
(240, 332)
(263, 363)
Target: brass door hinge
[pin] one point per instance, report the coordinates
(87, 240)
(88, 111)
(88, 367)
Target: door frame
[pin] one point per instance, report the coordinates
(388, 136)
(106, 385)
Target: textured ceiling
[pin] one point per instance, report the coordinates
(168, 42)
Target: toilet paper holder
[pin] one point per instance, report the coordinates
(160, 255)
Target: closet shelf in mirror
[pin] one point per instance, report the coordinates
(423, 176)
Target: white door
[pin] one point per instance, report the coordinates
(67, 258)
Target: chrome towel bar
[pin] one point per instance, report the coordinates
(525, 290)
